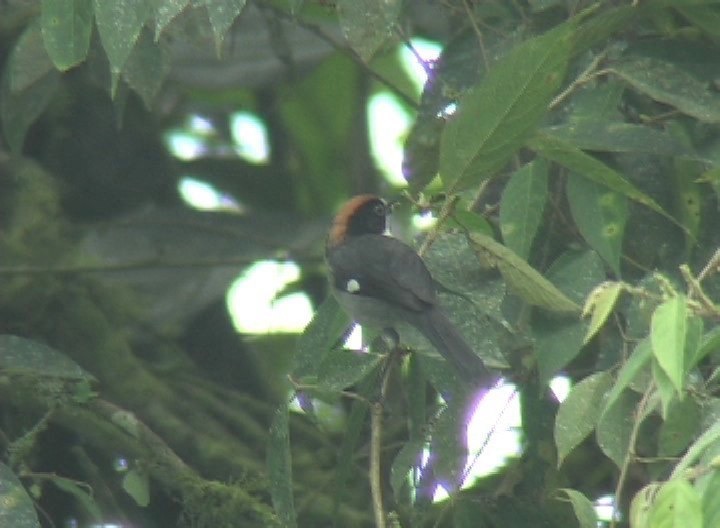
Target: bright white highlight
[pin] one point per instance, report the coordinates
(202, 195)
(250, 136)
(185, 146)
(389, 123)
(560, 386)
(428, 50)
(253, 305)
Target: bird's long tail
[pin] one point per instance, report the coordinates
(448, 340)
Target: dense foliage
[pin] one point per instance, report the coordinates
(570, 153)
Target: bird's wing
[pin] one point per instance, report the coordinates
(384, 268)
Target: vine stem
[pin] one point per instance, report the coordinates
(639, 415)
(376, 425)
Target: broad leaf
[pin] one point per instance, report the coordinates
(165, 12)
(368, 24)
(119, 23)
(66, 28)
(523, 279)
(668, 330)
(584, 509)
(279, 467)
(16, 506)
(24, 356)
(600, 304)
(522, 205)
(571, 157)
(600, 215)
(493, 120)
(29, 61)
(344, 368)
(222, 14)
(579, 412)
(667, 83)
(677, 505)
(615, 426)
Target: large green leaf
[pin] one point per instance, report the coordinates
(604, 136)
(222, 14)
(571, 157)
(494, 119)
(66, 28)
(165, 12)
(367, 24)
(119, 24)
(319, 338)
(29, 62)
(521, 206)
(579, 412)
(668, 333)
(600, 214)
(16, 506)
(614, 429)
(147, 67)
(279, 466)
(667, 83)
(25, 356)
(677, 505)
(584, 509)
(521, 277)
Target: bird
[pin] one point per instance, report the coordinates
(381, 282)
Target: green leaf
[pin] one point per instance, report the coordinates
(367, 24)
(667, 83)
(603, 136)
(665, 388)
(137, 484)
(600, 303)
(579, 412)
(407, 460)
(521, 206)
(523, 279)
(147, 68)
(319, 338)
(165, 12)
(613, 431)
(493, 120)
(677, 505)
(571, 157)
(706, 17)
(29, 62)
(641, 504)
(81, 492)
(66, 28)
(119, 23)
(695, 451)
(557, 343)
(710, 502)
(16, 506)
(693, 339)
(636, 363)
(583, 507)
(222, 14)
(25, 356)
(600, 215)
(279, 466)
(343, 368)
(679, 428)
(667, 333)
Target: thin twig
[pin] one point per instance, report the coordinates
(586, 76)
(445, 213)
(376, 424)
(639, 413)
(478, 33)
(319, 32)
(135, 265)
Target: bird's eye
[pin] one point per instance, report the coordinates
(379, 209)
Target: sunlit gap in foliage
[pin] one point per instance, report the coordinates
(250, 136)
(190, 141)
(204, 196)
(604, 507)
(254, 304)
(389, 121)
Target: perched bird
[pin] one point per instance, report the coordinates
(380, 282)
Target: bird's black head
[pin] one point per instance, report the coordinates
(363, 215)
